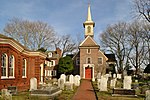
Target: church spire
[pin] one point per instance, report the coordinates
(89, 24)
(89, 14)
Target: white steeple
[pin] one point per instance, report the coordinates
(89, 24)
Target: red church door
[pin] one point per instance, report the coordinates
(88, 73)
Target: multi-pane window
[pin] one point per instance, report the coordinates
(4, 65)
(24, 66)
(11, 65)
(53, 72)
(88, 60)
(100, 60)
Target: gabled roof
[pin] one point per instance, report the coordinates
(111, 57)
(88, 42)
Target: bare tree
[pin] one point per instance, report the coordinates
(33, 35)
(139, 43)
(65, 43)
(142, 7)
(114, 39)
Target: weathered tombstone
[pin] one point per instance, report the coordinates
(98, 83)
(63, 76)
(127, 82)
(114, 75)
(147, 95)
(98, 75)
(103, 84)
(113, 83)
(33, 84)
(119, 76)
(69, 86)
(77, 80)
(61, 83)
(5, 94)
(71, 79)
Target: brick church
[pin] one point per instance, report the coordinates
(90, 60)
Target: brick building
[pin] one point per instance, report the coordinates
(19, 65)
(90, 60)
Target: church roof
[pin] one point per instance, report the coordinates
(88, 42)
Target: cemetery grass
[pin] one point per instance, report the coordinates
(107, 95)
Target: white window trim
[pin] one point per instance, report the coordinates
(5, 77)
(13, 67)
(25, 76)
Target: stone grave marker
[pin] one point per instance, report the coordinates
(114, 75)
(103, 84)
(77, 80)
(127, 82)
(113, 83)
(147, 95)
(98, 75)
(63, 76)
(6, 95)
(119, 76)
(33, 84)
(71, 79)
(69, 86)
(61, 83)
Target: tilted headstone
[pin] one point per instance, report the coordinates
(77, 80)
(147, 95)
(113, 83)
(71, 79)
(103, 83)
(61, 83)
(127, 82)
(119, 76)
(33, 84)
(63, 76)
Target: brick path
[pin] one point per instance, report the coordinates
(85, 91)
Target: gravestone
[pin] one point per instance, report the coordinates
(119, 76)
(63, 76)
(98, 83)
(61, 83)
(6, 95)
(77, 80)
(98, 75)
(127, 82)
(113, 83)
(71, 79)
(69, 86)
(33, 84)
(114, 75)
(147, 95)
(103, 83)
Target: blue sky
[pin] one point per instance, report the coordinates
(67, 16)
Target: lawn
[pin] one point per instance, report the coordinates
(107, 95)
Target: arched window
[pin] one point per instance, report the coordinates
(24, 66)
(89, 29)
(88, 60)
(4, 68)
(11, 65)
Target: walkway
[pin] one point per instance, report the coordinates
(85, 91)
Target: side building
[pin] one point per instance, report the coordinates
(19, 65)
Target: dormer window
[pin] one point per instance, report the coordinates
(49, 54)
